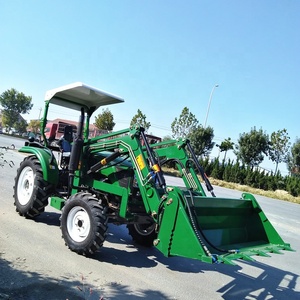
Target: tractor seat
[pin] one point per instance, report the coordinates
(65, 146)
(66, 140)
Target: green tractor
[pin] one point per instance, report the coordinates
(117, 177)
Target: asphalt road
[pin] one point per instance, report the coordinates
(35, 263)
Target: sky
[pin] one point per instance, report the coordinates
(161, 56)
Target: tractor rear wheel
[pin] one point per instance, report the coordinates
(143, 234)
(31, 191)
(83, 223)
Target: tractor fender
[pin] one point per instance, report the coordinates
(47, 161)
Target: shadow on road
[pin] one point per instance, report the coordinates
(270, 282)
(19, 285)
(49, 218)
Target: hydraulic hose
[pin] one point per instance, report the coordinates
(155, 166)
(198, 229)
(200, 169)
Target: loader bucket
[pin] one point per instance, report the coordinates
(217, 229)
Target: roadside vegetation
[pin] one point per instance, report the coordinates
(253, 177)
(277, 194)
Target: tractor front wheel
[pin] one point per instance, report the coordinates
(83, 223)
(31, 191)
(143, 234)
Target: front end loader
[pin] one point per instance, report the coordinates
(118, 177)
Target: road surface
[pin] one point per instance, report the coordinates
(35, 263)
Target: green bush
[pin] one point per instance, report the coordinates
(293, 186)
(234, 172)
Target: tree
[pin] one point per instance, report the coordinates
(293, 159)
(34, 125)
(183, 126)
(251, 147)
(140, 119)
(279, 147)
(293, 186)
(21, 125)
(166, 138)
(226, 145)
(201, 140)
(105, 120)
(14, 104)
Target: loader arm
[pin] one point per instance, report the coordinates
(175, 151)
(128, 143)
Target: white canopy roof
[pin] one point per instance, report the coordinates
(78, 94)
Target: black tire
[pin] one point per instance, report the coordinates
(31, 191)
(83, 223)
(143, 234)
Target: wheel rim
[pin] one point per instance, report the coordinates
(25, 185)
(144, 229)
(78, 224)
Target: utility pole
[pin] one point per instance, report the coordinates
(40, 109)
(209, 101)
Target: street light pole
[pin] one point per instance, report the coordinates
(211, 94)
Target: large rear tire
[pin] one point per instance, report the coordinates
(83, 223)
(31, 191)
(143, 234)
